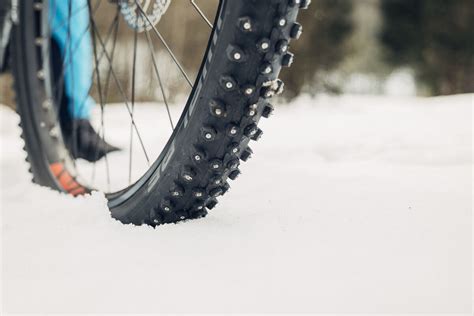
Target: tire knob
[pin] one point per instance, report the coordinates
(282, 46)
(258, 134)
(188, 174)
(305, 4)
(228, 83)
(215, 164)
(287, 59)
(263, 45)
(208, 133)
(216, 192)
(211, 204)
(246, 154)
(296, 30)
(294, 3)
(233, 130)
(267, 110)
(166, 205)
(177, 191)
(234, 174)
(199, 156)
(233, 164)
(234, 148)
(245, 24)
(217, 108)
(199, 193)
(250, 130)
(235, 54)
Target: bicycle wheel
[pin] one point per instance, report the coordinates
(245, 48)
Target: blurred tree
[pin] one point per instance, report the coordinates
(328, 25)
(435, 38)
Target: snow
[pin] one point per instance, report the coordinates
(350, 204)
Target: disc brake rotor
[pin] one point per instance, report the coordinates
(132, 11)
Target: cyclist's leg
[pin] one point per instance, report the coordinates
(69, 20)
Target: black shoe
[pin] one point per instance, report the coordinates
(82, 141)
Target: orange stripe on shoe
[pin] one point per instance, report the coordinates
(77, 191)
(66, 181)
(56, 168)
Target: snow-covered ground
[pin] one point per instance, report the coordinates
(350, 204)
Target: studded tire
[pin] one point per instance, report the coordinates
(246, 51)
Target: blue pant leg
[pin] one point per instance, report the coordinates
(74, 40)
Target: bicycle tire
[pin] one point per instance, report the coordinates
(239, 74)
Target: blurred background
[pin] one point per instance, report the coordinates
(395, 47)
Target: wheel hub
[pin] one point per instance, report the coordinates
(133, 13)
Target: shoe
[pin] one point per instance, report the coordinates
(82, 141)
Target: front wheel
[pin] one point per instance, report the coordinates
(246, 49)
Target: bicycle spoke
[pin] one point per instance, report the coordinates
(122, 93)
(106, 92)
(203, 16)
(155, 66)
(143, 13)
(97, 73)
(102, 100)
(111, 28)
(114, 44)
(69, 53)
(135, 40)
